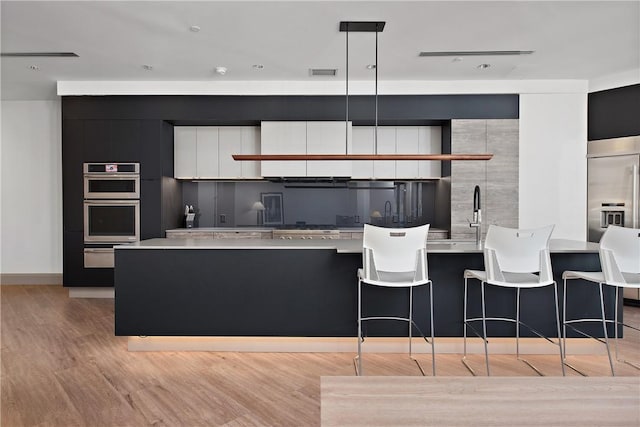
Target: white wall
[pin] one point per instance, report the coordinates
(31, 182)
(553, 164)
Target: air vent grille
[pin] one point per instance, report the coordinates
(39, 54)
(323, 71)
(478, 53)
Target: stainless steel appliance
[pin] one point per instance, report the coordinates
(613, 191)
(111, 180)
(111, 221)
(111, 210)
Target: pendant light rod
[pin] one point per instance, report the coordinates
(346, 121)
(375, 137)
(361, 27)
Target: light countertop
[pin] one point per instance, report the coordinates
(251, 228)
(341, 246)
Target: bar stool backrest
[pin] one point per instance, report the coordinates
(619, 253)
(517, 251)
(395, 250)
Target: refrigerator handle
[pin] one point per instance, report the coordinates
(635, 202)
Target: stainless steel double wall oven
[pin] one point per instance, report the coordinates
(111, 210)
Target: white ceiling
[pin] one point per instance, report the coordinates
(572, 40)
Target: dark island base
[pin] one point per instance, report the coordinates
(313, 293)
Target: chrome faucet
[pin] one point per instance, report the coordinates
(477, 214)
(389, 215)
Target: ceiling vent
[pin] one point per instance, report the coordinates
(40, 54)
(323, 71)
(478, 53)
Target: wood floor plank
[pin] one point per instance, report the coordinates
(61, 365)
(480, 401)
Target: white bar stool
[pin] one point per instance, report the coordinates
(517, 259)
(395, 258)
(620, 262)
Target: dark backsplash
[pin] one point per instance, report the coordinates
(229, 204)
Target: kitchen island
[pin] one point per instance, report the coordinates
(299, 288)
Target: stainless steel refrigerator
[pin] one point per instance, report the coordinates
(613, 191)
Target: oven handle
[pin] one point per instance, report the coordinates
(105, 176)
(112, 202)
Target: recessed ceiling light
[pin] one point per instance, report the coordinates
(371, 67)
(194, 28)
(34, 67)
(483, 66)
(147, 67)
(258, 66)
(221, 70)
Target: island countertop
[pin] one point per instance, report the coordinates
(340, 246)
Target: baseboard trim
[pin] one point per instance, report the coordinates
(93, 292)
(373, 345)
(31, 279)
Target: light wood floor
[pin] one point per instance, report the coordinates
(61, 365)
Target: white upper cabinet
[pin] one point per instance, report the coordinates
(407, 142)
(305, 138)
(250, 144)
(328, 138)
(207, 152)
(396, 140)
(362, 143)
(283, 138)
(204, 152)
(229, 143)
(430, 142)
(386, 145)
(184, 152)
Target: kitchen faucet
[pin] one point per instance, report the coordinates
(387, 203)
(477, 214)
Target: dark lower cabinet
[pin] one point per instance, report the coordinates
(73, 271)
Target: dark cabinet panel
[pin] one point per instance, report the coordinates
(96, 147)
(150, 149)
(111, 141)
(613, 113)
(150, 209)
(72, 185)
(124, 139)
(167, 149)
(73, 272)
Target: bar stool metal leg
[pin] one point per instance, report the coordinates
(555, 289)
(359, 361)
(484, 329)
(433, 343)
(604, 327)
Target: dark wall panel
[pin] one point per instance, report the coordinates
(252, 109)
(614, 113)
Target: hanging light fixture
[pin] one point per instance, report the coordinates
(360, 27)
